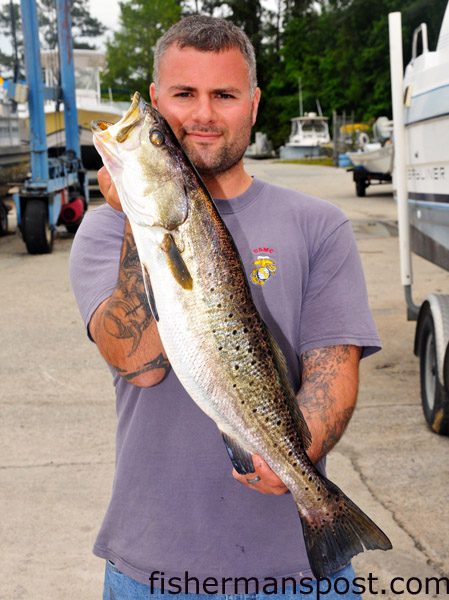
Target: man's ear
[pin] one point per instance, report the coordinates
(256, 100)
(153, 94)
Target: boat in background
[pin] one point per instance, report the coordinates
(426, 93)
(308, 134)
(14, 154)
(90, 106)
(373, 161)
(261, 148)
(421, 175)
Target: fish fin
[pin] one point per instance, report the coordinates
(292, 401)
(241, 459)
(176, 262)
(149, 291)
(332, 540)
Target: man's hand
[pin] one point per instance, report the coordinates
(269, 482)
(327, 399)
(108, 189)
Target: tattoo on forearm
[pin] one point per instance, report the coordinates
(160, 362)
(128, 313)
(317, 397)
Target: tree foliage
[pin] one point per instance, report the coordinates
(339, 49)
(85, 28)
(130, 52)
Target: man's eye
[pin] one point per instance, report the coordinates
(183, 95)
(225, 96)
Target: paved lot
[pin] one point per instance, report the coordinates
(58, 421)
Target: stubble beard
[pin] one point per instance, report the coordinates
(211, 162)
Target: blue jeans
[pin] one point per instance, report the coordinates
(118, 586)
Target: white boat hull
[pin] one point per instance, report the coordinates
(428, 188)
(427, 151)
(379, 160)
(290, 151)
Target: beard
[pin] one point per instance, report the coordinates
(213, 161)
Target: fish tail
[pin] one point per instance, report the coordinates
(337, 532)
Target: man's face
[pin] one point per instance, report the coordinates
(205, 97)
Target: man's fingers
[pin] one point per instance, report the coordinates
(269, 482)
(104, 180)
(108, 189)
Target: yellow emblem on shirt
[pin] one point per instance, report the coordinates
(265, 267)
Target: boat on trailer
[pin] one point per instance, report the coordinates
(421, 179)
(373, 161)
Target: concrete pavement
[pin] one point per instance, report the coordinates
(58, 419)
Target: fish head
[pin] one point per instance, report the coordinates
(147, 165)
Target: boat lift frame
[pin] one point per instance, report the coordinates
(55, 183)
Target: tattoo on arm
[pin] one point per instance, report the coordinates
(128, 313)
(318, 397)
(160, 362)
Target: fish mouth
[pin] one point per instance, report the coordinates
(121, 130)
(98, 126)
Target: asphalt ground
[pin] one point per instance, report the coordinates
(57, 422)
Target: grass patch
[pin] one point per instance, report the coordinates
(325, 161)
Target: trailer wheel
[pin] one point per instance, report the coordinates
(435, 400)
(360, 188)
(37, 233)
(3, 219)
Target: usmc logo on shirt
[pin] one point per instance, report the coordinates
(264, 265)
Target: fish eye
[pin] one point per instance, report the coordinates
(156, 137)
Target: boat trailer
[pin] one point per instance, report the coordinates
(364, 178)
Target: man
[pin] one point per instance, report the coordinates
(175, 510)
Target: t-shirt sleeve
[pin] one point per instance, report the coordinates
(95, 259)
(335, 307)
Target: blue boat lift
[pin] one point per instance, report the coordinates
(57, 192)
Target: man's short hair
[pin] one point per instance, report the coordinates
(207, 34)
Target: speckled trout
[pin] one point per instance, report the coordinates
(217, 343)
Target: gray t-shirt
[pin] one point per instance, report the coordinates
(175, 506)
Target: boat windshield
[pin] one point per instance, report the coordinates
(86, 78)
(317, 126)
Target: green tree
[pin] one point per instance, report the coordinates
(84, 26)
(130, 51)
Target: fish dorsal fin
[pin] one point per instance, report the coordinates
(149, 291)
(241, 459)
(292, 401)
(176, 263)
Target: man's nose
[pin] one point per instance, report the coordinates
(203, 111)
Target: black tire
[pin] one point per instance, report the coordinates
(72, 227)
(434, 397)
(3, 219)
(37, 233)
(360, 188)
